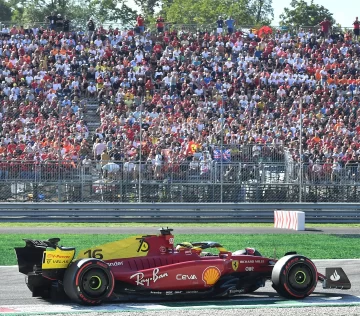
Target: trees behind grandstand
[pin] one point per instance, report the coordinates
(78, 11)
(301, 13)
(244, 12)
(5, 11)
(204, 12)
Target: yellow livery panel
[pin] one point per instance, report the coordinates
(126, 248)
(58, 258)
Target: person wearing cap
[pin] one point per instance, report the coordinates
(220, 25)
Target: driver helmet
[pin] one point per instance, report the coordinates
(183, 246)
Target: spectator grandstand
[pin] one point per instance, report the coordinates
(175, 97)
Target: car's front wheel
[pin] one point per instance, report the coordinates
(294, 277)
(88, 281)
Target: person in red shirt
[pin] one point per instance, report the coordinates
(158, 50)
(334, 50)
(356, 28)
(325, 27)
(160, 24)
(140, 23)
(14, 30)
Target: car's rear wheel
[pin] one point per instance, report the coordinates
(294, 277)
(88, 281)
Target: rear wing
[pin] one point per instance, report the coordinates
(52, 242)
(31, 255)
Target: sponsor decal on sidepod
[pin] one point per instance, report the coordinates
(140, 280)
(184, 277)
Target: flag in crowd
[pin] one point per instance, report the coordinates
(224, 155)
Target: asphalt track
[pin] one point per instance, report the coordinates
(16, 299)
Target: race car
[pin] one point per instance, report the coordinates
(151, 267)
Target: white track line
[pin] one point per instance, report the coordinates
(267, 303)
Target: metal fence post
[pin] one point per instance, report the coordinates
(59, 190)
(301, 153)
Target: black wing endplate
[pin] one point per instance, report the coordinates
(32, 254)
(336, 278)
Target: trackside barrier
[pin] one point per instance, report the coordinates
(175, 212)
(289, 220)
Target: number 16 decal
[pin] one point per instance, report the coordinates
(95, 254)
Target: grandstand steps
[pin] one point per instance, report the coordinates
(91, 117)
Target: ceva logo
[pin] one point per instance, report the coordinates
(185, 277)
(335, 276)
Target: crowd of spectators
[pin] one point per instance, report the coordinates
(41, 106)
(176, 94)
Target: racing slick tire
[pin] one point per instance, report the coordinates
(294, 277)
(88, 281)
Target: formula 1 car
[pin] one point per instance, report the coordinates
(151, 267)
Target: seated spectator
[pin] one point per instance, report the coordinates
(91, 90)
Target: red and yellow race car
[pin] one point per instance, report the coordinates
(151, 267)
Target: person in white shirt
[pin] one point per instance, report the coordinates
(139, 56)
(91, 90)
(66, 101)
(29, 79)
(6, 90)
(15, 89)
(344, 49)
(13, 96)
(74, 83)
(5, 30)
(301, 33)
(281, 92)
(98, 149)
(56, 86)
(51, 95)
(229, 63)
(98, 42)
(199, 91)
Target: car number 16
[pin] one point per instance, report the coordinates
(96, 253)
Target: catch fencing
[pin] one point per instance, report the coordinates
(264, 179)
(175, 212)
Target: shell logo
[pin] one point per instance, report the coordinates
(211, 275)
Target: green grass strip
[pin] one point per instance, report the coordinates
(172, 225)
(271, 245)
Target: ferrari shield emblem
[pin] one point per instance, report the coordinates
(235, 264)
